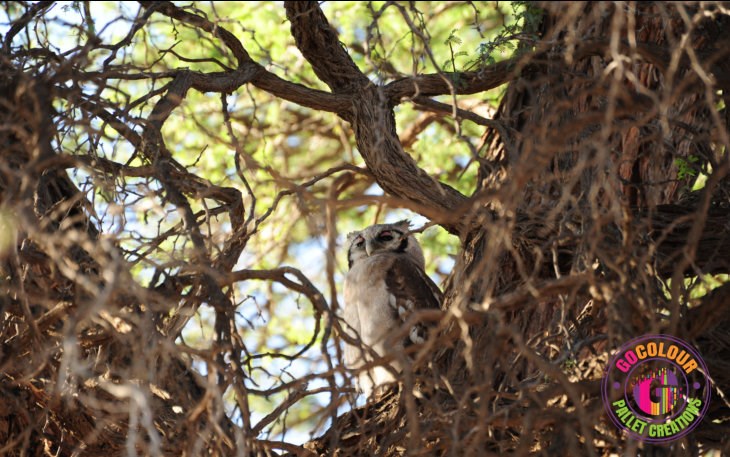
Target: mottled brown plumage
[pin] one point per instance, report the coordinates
(385, 285)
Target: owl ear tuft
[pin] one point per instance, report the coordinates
(351, 236)
(405, 224)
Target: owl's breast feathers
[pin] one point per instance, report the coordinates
(384, 291)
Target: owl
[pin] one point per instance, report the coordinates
(386, 282)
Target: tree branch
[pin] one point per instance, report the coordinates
(23, 21)
(304, 96)
(467, 82)
(395, 171)
(248, 70)
(372, 118)
(320, 45)
(230, 40)
(470, 82)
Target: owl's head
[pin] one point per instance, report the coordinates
(381, 238)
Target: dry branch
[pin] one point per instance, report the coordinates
(583, 232)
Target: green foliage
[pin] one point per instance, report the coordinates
(520, 27)
(695, 287)
(685, 168)
(701, 286)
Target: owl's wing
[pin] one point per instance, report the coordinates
(411, 289)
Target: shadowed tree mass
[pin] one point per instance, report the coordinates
(177, 180)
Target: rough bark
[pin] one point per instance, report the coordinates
(579, 235)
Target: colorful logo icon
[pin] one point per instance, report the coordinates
(656, 388)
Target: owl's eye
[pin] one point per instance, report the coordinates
(360, 242)
(385, 236)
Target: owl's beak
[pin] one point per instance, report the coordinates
(369, 248)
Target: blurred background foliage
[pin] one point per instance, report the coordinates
(285, 146)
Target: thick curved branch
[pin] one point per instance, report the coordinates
(395, 171)
(372, 118)
(320, 45)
